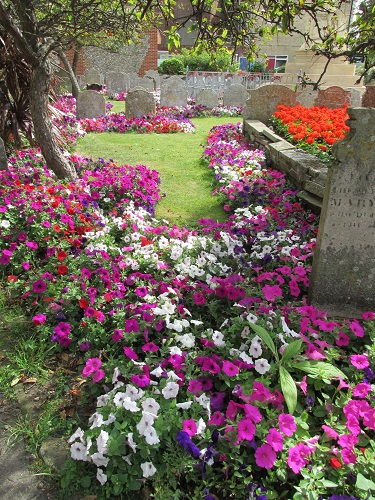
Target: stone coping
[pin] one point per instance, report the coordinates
(306, 171)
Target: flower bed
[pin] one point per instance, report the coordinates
(213, 377)
(313, 129)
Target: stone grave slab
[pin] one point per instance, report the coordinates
(93, 76)
(207, 97)
(173, 92)
(263, 101)
(116, 83)
(90, 104)
(139, 102)
(333, 97)
(343, 274)
(307, 97)
(235, 95)
(368, 98)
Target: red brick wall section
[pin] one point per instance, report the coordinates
(81, 61)
(151, 59)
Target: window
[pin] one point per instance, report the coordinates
(275, 62)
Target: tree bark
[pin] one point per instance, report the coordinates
(39, 95)
(69, 70)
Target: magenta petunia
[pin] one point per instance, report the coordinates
(272, 292)
(129, 353)
(230, 369)
(275, 439)
(357, 329)
(265, 456)
(39, 286)
(287, 424)
(359, 361)
(361, 390)
(190, 427)
(150, 347)
(245, 429)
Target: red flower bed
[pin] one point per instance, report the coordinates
(314, 129)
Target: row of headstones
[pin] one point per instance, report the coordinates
(262, 102)
(118, 82)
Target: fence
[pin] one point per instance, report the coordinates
(219, 82)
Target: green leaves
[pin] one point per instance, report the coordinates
(291, 350)
(265, 336)
(289, 389)
(319, 369)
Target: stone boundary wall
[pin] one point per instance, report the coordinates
(306, 171)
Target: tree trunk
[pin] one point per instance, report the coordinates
(39, 93)
(69, 70)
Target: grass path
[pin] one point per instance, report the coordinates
(185, 182)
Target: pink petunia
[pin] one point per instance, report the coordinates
(230, 369)
(245, 429)
(275, 439)
(361, 390)
(39, 319)
(271, 292)
(129, 353)
(357, 329)
(253, 413)
(342, 339)
(287, 424)
(297, 457)
(190, 427)
(265, 456)
(331, 433)
(359, 361)
(368, 316)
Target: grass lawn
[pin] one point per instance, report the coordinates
(185, 182)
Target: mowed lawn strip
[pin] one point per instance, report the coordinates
(185, 183)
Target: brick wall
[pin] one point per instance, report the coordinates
(151, 59)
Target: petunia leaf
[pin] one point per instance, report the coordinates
(289, 389)
(264, 335)
(363, 483)
(319, 369)
(291, 350)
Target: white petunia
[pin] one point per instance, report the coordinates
(218, 339)
(184, 406)
(119, 399)
(146, 422)
(78, 451)
(111, 418)
(255, 349)
(130, 405)
(101, 477)
(96, 419)
(127, 458)
(201, 426)
(102, 400)
(151, 405)
(148, 469)
(170, 390)
(100, 460)
(246, 358)
(130, 442)
(204, 401)
(187, 340)
(101, 442)
(262, 366)
(79, 434)
(133, 393)
(158, 372)
(151, 437)
(175, 350)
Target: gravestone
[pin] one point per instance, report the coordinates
(307, 97)
(93, 76)
(368, 98)
(139, 102)
(333, 97)
(235, 95)
(154, 75)
(146, 83)
(343, 273)
(3, 156)
(355, 98)
(173, 92)
(207, 97)
(263, 101)
(116, 83)
(90, 104)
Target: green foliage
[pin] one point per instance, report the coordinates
(203, 60)
(172, 66)
(257, 67)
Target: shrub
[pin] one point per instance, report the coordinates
(172, 66)
(221, 60)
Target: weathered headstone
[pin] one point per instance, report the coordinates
(307, 97)
(146, 83)
(93, 76)
(343, 274)
(173, 92)
(139, 102)
(333, 97)
(368, 98)
(263, 101)
(355, 98)
(90, 104)
(3, 156)
(116, 83)
(207, 97)
(235, 95)
(154, 75)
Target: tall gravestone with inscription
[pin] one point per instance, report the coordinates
(343, 273)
